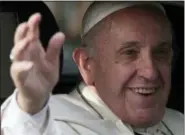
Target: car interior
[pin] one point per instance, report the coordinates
(13, 13)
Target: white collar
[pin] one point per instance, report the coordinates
(98, 104)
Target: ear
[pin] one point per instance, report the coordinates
(85, 65)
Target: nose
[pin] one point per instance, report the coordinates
(147, 69)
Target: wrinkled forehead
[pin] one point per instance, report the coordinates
(98, 11)
(137, 19)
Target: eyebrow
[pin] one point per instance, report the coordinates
(166, 43)
(131, 44)
(128, 44)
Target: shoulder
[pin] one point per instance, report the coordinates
(66, 106)
(174, 120)
(72, 114)
(174, 115)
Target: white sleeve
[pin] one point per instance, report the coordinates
(14, 121)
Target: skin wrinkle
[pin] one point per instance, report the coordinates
(90, 39)
(114, 73)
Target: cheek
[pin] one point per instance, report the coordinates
(165, 72)
(123, 74)
(114, 76)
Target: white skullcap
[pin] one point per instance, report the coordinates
(98, 10)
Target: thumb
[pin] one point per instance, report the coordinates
(55, 45)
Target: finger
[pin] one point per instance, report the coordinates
(54, 47)
(20, 32)
(19, 49)
(33, 24)
(20, 70)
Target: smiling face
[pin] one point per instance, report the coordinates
(132, 65)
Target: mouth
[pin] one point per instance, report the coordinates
(145, 91)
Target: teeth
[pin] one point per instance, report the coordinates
(144, 90)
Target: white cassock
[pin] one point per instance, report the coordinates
(79, 113)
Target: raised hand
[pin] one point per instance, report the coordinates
(34, 71)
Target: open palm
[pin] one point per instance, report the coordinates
(34, 70)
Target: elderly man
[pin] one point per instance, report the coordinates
(125, 62)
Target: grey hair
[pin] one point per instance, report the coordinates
(88, 40)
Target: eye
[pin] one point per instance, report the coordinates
(163, 54)
(163, 51)
(130, 52)
(127, 54)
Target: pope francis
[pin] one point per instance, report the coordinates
(125, 61)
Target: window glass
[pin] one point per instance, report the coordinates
(68, 16)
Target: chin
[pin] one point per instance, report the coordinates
(145, 123)
(147, 118)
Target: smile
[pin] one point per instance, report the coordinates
(144, 91)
